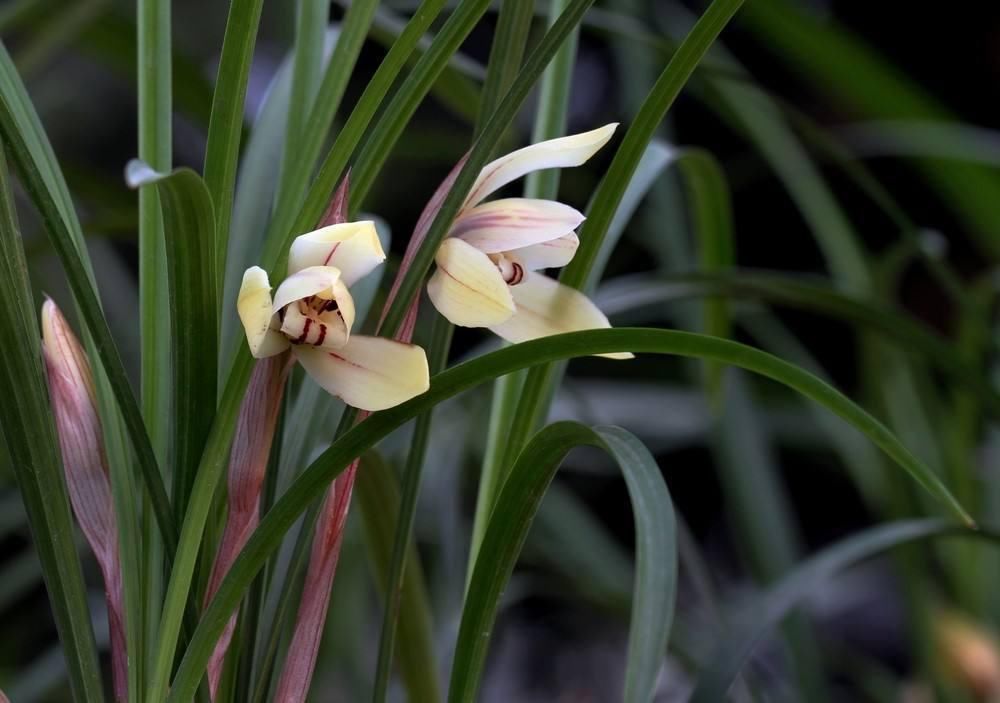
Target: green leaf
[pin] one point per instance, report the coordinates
(44, 182)
(764, 526)
(803, 293)
(480, 153)
(389, 128)
(112, 39)
(506, 52)
(668, 86)
(656, 558)
(307, 68)
(26, 424)
(550, 123)
(189, 223)
(541, 381)
(304, 147)
(768, 610)
(155, 116)
(437, 359)
(210, 469)
(457, 88)
(225, 128)
(378, 492)
(286, 224)
(711, 218)
(270, 533)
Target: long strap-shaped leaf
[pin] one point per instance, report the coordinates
(39, 173)
(803, 293)
(378, 492)
(287, 224)
(275, 255)
(328, 465)
(26, 424)
(189, 227)
(522, 493)
(771, 608)
(225, 125)
(541, 381)
(481, 152)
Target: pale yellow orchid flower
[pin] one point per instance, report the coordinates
(488, 267)
(312, 313)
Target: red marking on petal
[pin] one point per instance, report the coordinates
(305, 332)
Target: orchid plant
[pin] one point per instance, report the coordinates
(291, 373)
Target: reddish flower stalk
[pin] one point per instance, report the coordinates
(300, 661)
(74, 405)
(247, 464)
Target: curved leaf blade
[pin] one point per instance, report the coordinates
(268, 536)
(41, 177)
(189, 229)
(30, 436)
(777, 602)
(507, 530)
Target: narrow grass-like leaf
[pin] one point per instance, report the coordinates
(711, 218)
(764, 527)
(777, 602)
(804, 294)
(112, 39)
(225, 128)
(307, 144)
(41, 177)
(155, 115)
(480, 153)
(457, 88)
(437, 359)
(269, 535)
(286, 225)
(31, 440)
(189, 225)
(210, 469)
(311, 18)
(378, 492)
(541, 380)
(656, 558)
(506, 52)
(661, 97)
(550, 123)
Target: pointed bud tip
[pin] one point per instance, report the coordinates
(53, 323)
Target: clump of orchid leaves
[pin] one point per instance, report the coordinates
(296, 358)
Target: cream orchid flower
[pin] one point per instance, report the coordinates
(488, 267)
(312, 313)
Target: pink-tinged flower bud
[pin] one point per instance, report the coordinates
(970, 655)
(74, 405)
(247, 465)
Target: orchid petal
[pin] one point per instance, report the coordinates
(352, 247)
(370, 373)
(548, 255)
(568, 151)
(254, 308)
(514, 223)
(546, 307)
(331, 332)
(315, 280)
(467, 287)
